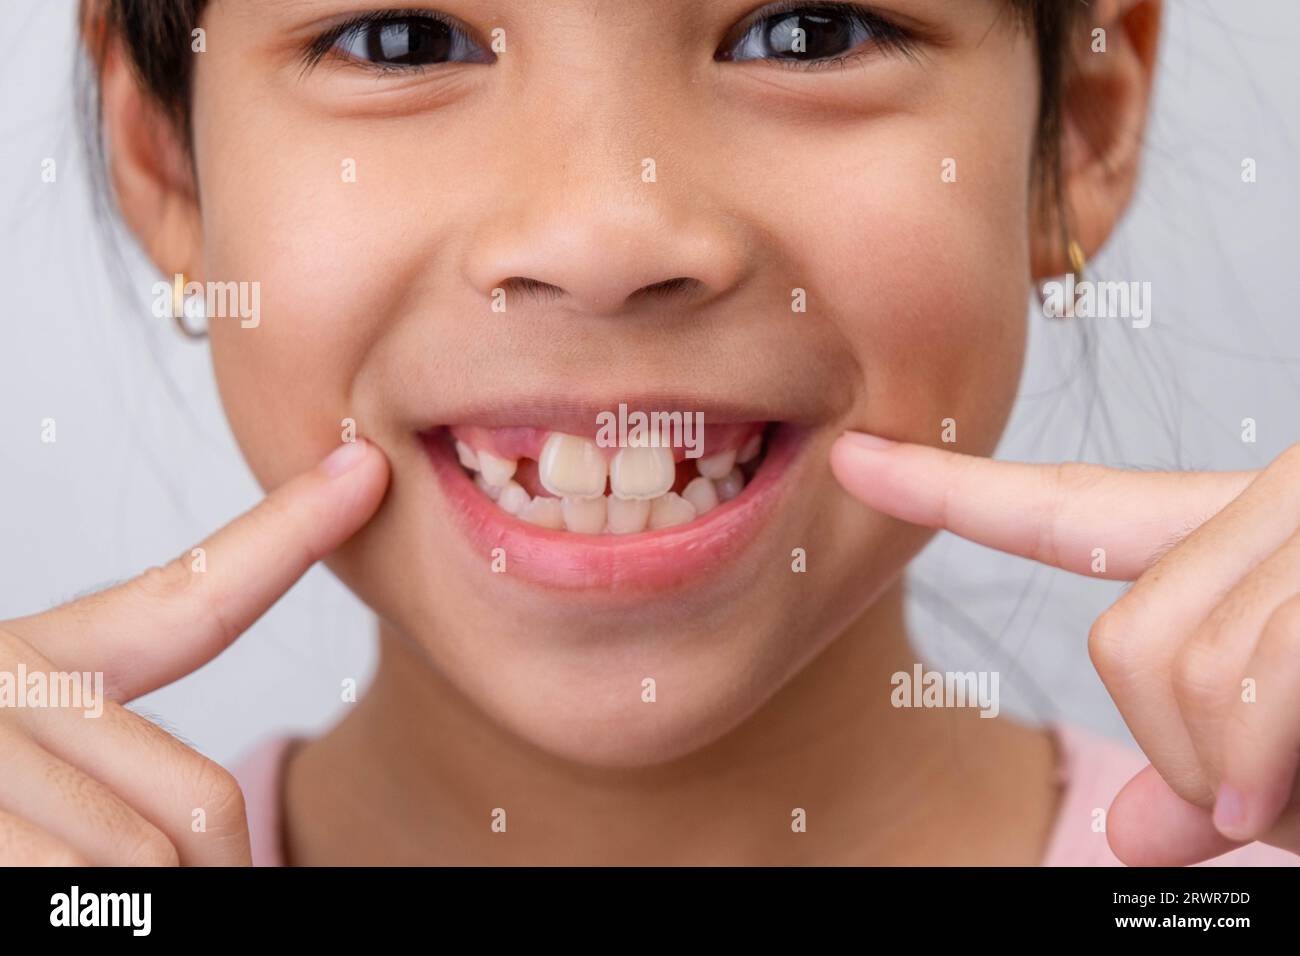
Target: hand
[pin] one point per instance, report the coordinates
(115, 789)
(1201, 654)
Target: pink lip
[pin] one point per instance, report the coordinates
(649, 561)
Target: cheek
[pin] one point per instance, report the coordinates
(926, 281)
(288, 385)
(943, 333)
(346, 233)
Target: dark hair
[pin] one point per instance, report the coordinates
(155, 36)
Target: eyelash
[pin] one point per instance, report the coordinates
(886, 36)
(325, 44)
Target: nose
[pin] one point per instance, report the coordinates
(608, 244)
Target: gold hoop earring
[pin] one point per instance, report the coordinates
(1078, 261)
(178, 310)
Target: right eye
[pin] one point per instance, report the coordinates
(389, 40)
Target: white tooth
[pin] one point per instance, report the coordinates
(670, 510)
(730, 486)
(749, 451)
(466, 455)
(491, 491)
(584, 515)
(717, 466)
(571, 467)
(642, 473)
(625, 516)
(544, 512)
(496, 471)
(513, 498)
(701, 494)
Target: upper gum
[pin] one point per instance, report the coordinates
(515, 442)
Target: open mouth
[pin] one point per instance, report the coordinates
(567, 482)
(567, 512)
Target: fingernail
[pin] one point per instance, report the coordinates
(873, 442)
(1229, 811)
(343, 458)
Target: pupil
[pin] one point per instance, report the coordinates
(822, 36)
(410, 42)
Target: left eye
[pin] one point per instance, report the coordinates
(407, 42)
(811, 33)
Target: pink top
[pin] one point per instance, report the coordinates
(1093, 770)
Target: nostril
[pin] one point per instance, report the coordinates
(540, 291)
(669, 287)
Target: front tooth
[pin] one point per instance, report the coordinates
(730, 486)
(626, 516)
(571, 467)
(717, 466)
(670, 510)
(642, 473)
(491, 491)
(513, 498)
(544, 512)
(584, 515)
(496, 471)
(749, 451)
(466, 455)
(701, 494)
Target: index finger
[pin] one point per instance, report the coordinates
(171, 620)
(1058, 514)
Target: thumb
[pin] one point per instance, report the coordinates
(1150, 825)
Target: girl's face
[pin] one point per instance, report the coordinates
(609, 152)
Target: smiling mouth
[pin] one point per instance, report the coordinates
(567, 514)
(565, 482)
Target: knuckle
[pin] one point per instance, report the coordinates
(1066, 483)
(1076, 476)
(47, 854)
(1197, 674)
(178, 582)
(147, 846)
(218, 793)
(169, 581)
(11, 645)
(1288, 461)
(24, 844)
(63, 858)
(1110, 640)
(1284, 623)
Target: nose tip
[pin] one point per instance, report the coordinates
(605, 262)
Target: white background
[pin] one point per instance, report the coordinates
(144, 465)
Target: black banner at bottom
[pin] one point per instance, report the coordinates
(575, 905)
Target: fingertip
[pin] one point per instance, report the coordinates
(866, 441)
(346, 458)
(356, 478)
(1245, 814)
(1230, 817)
(852, 452)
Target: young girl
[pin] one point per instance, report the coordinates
(477, 233)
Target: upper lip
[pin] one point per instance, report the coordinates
(578, 415)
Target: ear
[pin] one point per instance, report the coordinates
(148, 163)
(1107, 96)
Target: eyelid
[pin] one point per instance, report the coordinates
(327, 42)
(887, 35)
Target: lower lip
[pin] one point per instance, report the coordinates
(648, 561)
